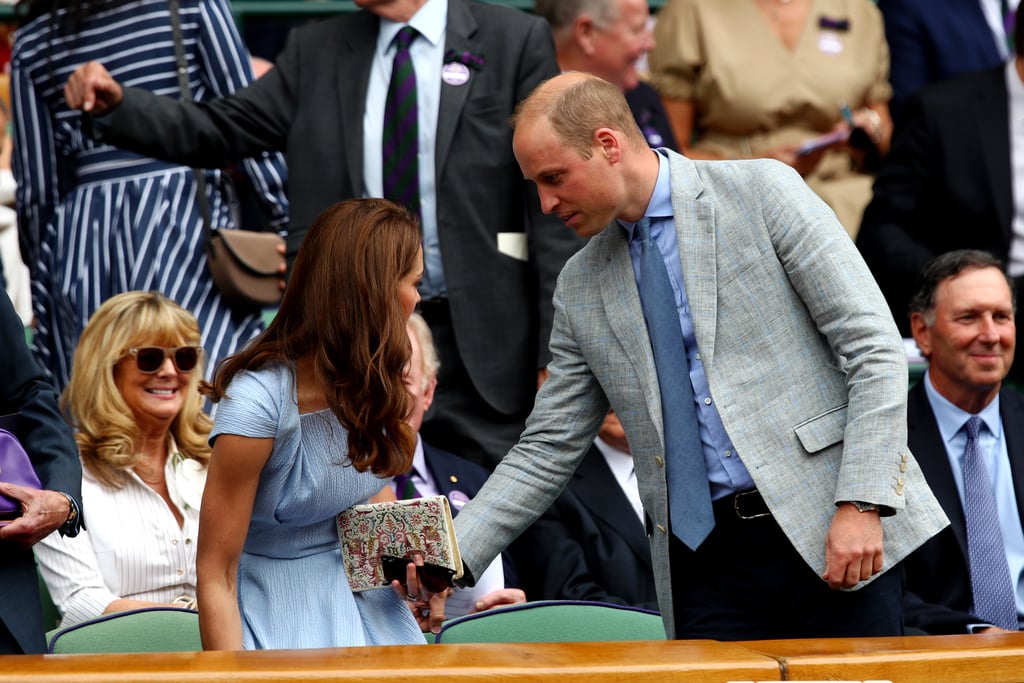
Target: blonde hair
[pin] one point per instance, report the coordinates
(105, 428)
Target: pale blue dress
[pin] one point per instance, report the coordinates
(292, 587)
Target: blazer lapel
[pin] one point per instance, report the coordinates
(927, 446)
(991, 109)
(1011, 408)
(598, 490)
(353, 81)
(695, 234)
(459, 38)
(626, 317)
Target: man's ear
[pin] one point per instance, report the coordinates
(428, 394)
(922, 333)
(583, 30)
(607, 142)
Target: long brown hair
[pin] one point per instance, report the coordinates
(342, 312)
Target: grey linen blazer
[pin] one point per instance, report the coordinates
(802, 356)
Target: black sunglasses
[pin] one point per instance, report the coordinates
(435, 577)
(151, 358)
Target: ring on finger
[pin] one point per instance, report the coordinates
(411, 598)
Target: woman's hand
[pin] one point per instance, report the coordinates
(803, 163)
(427, 607)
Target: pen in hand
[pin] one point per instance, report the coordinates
(844, 109)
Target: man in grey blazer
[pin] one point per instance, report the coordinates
(798, 374)
(491, 255)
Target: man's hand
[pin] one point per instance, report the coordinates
(43, 513)
(497, 598)
(853, 547)
(92, 89)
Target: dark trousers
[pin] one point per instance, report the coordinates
(747, 582)
(460, 421)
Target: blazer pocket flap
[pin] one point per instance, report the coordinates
(823, 430)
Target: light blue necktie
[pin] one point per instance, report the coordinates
(990, 575)
(689, 496)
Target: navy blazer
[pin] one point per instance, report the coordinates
(933, 40)
(589, 545)
(48, 440)
(939, 598)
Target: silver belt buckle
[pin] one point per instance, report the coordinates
(736, 507)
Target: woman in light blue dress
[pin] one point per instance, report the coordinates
(310, 421)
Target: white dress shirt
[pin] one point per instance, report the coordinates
(1015, 95)
(427, 53)
(621, 465)
(133, 547)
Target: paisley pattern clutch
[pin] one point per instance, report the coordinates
(397, 528)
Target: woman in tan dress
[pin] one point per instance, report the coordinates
(759, 78)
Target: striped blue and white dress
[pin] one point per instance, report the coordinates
(97, 220)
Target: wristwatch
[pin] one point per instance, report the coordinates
(73, 524)
(862, 506)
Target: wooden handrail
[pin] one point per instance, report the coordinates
(634, 661)
(986, 658)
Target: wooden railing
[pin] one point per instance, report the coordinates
(997, 658)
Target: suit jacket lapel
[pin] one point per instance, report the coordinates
(617, 283)
(598, 490)
(353, 81)
(458, 37)
(991, 109)
(927, 446)
(695, 233)
(1011, 407)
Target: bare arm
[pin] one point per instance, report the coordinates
(223, 523)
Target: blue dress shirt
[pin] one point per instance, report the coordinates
(992, 442)
(726, 472)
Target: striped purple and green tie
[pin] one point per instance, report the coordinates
(401, 128)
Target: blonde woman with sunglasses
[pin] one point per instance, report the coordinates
(134, 403)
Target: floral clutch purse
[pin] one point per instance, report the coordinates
(372, 534)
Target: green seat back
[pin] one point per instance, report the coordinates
(51, 617)
(554, 621)
(159, 629)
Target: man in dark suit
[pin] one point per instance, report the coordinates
(48, 441)
(933, 40)
(591, 543)
(607, 38)
(947, 182)
(963, 321)
(491, 256)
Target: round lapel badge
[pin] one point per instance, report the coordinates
(455, 73)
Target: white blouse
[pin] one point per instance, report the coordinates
(133, 547)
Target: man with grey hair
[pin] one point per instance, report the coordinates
(608, 38)
(966, 430)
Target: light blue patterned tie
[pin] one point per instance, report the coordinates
(689, 497)
(990, 576)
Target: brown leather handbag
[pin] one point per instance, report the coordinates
(245, 264)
